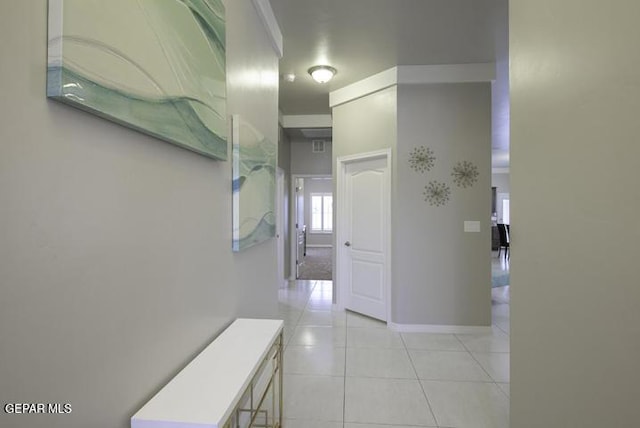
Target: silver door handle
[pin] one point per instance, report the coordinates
(347, 244)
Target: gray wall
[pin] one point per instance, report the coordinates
(284, 162)
(115, 260)
(364, 125)
(255, 270)
(284, 151)
(313, 185)
(575, 323)
(304, 161)
(441, 274)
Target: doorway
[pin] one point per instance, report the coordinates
(312, 226)
(363, 244)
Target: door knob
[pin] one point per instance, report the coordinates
(347, 244)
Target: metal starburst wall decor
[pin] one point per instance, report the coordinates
(436, 193)
(465, 174)
(421, 159)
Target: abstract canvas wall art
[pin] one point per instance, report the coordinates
(157, 66)
(254, 185)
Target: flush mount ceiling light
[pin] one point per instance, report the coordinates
(322, 73)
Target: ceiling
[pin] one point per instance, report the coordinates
(363, 37)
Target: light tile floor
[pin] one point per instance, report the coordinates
(344, 370)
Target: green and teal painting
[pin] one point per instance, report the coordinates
(254, 185)
(157, 66)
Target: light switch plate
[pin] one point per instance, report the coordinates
(472, 226)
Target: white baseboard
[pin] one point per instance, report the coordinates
(435, 328)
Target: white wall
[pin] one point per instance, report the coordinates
(501, 181)
(575, 318)
(500, 86)
(115, 248)
(441, 274)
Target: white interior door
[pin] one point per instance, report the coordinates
(363, 234)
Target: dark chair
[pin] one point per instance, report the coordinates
(504, 240)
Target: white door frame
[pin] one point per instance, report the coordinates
(293, 215)
(341, 222)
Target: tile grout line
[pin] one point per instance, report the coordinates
(299, 318)
(344, 383)
(482, 367)
(306, 309)
(478, 362)
(501, 329)
(344, 376)
(424, 393)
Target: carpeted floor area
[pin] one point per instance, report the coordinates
(317, 264)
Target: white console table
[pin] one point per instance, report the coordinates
(234, 382)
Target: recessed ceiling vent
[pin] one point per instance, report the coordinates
(317, 146)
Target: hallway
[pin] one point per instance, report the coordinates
(344, 370)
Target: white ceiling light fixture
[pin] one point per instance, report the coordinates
(322, 73)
